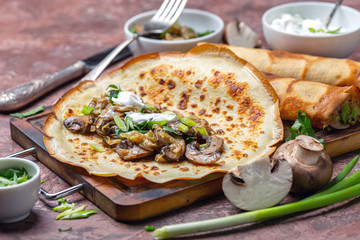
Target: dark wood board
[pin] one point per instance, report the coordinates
(127, 200)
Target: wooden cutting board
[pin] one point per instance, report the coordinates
(127, 200)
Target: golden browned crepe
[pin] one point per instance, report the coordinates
(332, 71)
(322, 103)
(209, 81)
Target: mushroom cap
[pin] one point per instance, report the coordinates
(239, 34)
(311, 164)
(259, 184)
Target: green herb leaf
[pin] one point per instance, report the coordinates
(87, 110)
(114, 92)
(203, 145)
(29, 113)
(302, 126)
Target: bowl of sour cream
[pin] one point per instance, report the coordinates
(300, 28)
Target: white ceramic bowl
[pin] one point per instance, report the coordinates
(17, 201)
(339, 45)
(200, 21)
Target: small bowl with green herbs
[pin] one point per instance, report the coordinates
(19, 188)
(300, 27)
(192, 27)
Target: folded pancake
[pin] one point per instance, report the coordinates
(209, 81)
(332, 71)
(325, 105)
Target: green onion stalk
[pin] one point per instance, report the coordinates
(338, 190)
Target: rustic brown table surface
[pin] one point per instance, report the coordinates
(38, 37)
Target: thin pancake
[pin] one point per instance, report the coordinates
(319, 101)
(209, 81)
(332, 71)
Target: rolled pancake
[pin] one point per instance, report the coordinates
(210, 82)
(321, 102)
(332, 71)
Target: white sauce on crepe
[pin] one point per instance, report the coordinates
(143, 117)
(128, 99)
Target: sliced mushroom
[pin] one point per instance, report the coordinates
(239, 34)
(127, 150)
(258, 184)
(207, 154)
(78, 124)
(171, 148)
(311, 164)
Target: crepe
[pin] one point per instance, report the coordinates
(322, 103)
(332, 71)
(209, 81)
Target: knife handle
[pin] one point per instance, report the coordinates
(17, 97)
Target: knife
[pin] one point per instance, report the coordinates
(20, 96)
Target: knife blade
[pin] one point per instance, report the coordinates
(15, 98)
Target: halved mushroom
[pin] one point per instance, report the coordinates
(239, 34)
(127, 150)
(311, 164)
(207, 154)
(258, 184)
(78, 124)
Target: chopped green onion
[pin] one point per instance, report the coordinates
(204, 33)
(77, 215)
(29, 113)
(312, 30)
(97, 147)
(169, 129)
(188, 122)
(347, 191)
(129, 122)
(149, 228)
(160, 123)
(13, 176)
(202, 145)
(87, 110)
(334, 31)
(151, 108)
(183, 128)
(120, 123)
(65, 230)
(202, 131)
(354, 114)
(345, 113)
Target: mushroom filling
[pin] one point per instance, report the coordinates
(346, 116)
(136, 130)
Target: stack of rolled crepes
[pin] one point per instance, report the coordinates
(330, 99)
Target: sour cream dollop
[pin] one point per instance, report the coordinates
(294, 23)
(143, 117)
(128, 99)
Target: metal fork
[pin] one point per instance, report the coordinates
(162, 20)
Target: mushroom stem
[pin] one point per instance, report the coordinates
(307, 152)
